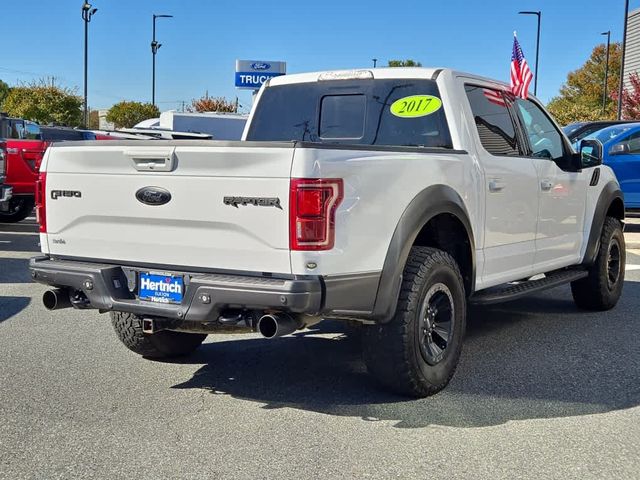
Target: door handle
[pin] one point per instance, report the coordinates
(496, 186)
(153, 164)
(546, 185)
(152, 161)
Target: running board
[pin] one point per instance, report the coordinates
(512, 291)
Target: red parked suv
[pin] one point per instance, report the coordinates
(24, 146)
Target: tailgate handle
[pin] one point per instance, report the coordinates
(152, 161)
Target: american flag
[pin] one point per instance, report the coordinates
(521, 75)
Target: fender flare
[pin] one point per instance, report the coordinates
(427, 204)
(608, 195)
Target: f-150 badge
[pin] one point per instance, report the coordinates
(257, 201)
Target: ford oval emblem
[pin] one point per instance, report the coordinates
(153, 196)
(260, 66)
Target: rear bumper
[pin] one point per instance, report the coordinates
(113, 287)
(6, 193)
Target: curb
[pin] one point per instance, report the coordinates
(632, 241)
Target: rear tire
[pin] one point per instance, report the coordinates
(19, 209)
(417, 352)
(163, 344)
(601, 290)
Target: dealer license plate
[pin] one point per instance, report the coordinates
(161, 288)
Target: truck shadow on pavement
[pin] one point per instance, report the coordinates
(14, 270)
(535, 358)
(632, 228)
(10, 306)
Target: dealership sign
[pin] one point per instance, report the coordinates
(253, 73)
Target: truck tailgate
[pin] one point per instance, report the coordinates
(119, 216)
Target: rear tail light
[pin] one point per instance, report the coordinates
(3, 159)
(312, 212)
(41, 201)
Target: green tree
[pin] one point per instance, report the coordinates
(4, 91)
(580, 98)
(212, 104)
(44, 103)
(404, 63)
(127, 114)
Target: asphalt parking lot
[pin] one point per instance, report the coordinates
(543, 391)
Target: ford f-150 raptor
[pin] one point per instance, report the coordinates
(393, 197)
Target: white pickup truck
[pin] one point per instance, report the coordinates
(393, 197)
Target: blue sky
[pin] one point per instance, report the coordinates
(201, 43)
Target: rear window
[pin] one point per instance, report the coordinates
(405, 112)
(608, 133)
(342, 116)
(61, 134)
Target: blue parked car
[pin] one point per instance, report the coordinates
(621, 152)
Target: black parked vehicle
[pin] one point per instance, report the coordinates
(59, 134)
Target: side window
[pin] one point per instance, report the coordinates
(544, 138)
(33, 131)
(633, 141)
(493, 121)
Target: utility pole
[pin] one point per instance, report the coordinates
(375, 62)
(155, 46)
(87, 13)
(606, 73)
(624, 51)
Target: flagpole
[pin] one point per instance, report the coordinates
(624, 51)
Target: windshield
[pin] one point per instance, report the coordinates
(610, 133)
(406, 112)
(572, 127)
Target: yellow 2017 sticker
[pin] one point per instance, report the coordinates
(415, 106)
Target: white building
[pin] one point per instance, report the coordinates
(102, 122)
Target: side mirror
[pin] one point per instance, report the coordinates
(590, 153)
(620, 149)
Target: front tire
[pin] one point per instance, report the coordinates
(601, 290)
(417, 352)
(163, 344)
(19, 209)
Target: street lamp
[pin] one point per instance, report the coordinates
(606, 72)
(624, 51)
(87, 12)
(539, 15)
(375, 61)
(155, 46)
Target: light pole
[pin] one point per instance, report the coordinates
(155, 46)
(375, 62)
(624, 51)
(535, 81)
(606, 73)
(87, 12)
